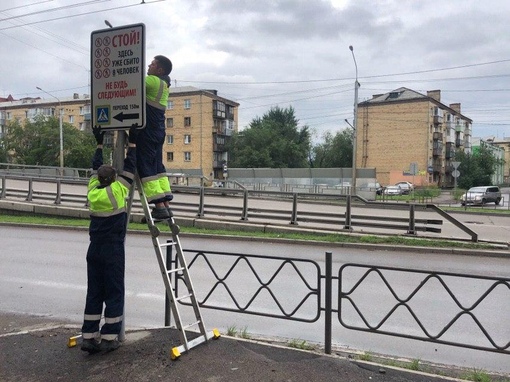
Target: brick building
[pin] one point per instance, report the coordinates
(406, 135)
(199, 124)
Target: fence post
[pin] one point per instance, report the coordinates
(245, 206)
(30, 190)
(4, 188)
(412, 222)
(348, 222)
(328, 296)
(59, 190)
(200, 212)
(293, 219)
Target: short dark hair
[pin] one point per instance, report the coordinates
(164, 63)
(106, 175)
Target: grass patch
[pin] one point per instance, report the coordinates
(244, 333)
(232, 331)
(327, 238)
(478, 376)
(300, 344)
(366, 356)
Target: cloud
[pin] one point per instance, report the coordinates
(279, 52)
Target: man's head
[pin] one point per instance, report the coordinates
(106, 175)
(160, 66)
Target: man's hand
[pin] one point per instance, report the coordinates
(98, 134)
(133, 134)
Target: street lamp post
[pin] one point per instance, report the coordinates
(60, 130)
(355, 128)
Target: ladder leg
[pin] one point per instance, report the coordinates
(181, 272)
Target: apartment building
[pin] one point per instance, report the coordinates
(406, 135)
(504, 144)
(199, 124)
(75, 110)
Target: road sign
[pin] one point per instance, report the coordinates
(455, 165)
(456, 173)
(117, 67)
(413, 168)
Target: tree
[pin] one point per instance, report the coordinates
(336, 151)
(37, 142)
(271, 141)
(475, 169)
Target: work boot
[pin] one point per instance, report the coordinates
(160, 213)
(108, 346)
(91, 346)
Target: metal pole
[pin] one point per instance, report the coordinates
(355, 128)
(328, 297)
(61, 141)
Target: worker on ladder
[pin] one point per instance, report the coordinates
(151, 169)
(106, 253)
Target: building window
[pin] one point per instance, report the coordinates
(170, 157)
(169, 122)
(82, 126)
(170, 105)
(187, 104)
(187, 121)
(187, 139)
(9, 115)
(187, 156)
(169, 139)
(84, 109)
(71, 119)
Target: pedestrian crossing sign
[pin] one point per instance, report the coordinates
(103, 115)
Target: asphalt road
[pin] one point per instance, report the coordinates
(43, 273)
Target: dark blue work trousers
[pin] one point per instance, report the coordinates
(105, 275)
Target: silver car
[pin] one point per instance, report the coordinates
(481, 195)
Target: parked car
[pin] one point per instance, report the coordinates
(481, 195)
(372, 187)
(392, 190)
(406, 187)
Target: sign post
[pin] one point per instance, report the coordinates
(117, 65)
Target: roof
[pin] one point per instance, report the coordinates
(404, 94)
(191, 90)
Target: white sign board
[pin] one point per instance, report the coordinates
(117, 68)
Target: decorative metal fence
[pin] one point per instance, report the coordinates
(296, 289)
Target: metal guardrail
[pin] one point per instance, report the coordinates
(347, 221)
(312, 295)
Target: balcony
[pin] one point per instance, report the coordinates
(459, 127)
(437, 136)
(458, 142)
(438, 119)
(437, 167)
(437, 152)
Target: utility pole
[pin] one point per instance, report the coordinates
(355, 128)
(61, 114)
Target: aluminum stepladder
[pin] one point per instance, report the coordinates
(181, 270)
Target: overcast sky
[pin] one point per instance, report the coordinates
(264, 53)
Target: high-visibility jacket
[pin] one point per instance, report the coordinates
(107, 205)
(150, 142)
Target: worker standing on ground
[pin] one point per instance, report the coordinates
(106, 253)
(151, 169)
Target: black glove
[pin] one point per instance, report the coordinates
(133, 134)
(98, 134)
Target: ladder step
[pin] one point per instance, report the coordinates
(191, 325)
(175, 270)
(170, 243)
(183, 297)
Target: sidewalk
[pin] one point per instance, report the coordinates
(35, 349)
